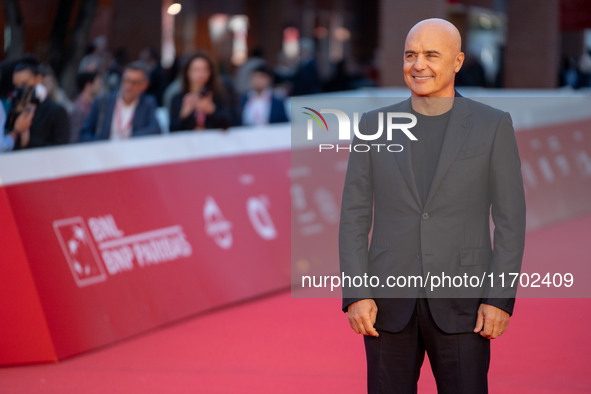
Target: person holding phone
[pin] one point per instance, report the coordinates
(202, 103)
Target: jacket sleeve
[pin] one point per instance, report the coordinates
(150, 124)
(508, 214)
(356, 221)
(222, 116)
(176, 123)
(87, 132)
(61, 126)
(278, 111)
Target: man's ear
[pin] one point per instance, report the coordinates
(459, 61)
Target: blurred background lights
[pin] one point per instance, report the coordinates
(174, 8)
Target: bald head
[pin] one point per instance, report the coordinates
(438, 27)
(432, 57)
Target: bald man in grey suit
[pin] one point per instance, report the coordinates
(428, 207)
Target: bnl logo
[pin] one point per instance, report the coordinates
(345, 124)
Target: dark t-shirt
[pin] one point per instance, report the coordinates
(430, 132)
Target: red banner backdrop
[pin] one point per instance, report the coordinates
(24, 335)
(556, 168)
(92, 259)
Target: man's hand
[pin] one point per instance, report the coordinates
(492, 322)
(362, 316)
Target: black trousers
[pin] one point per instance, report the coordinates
(459, 361)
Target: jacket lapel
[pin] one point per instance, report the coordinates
(108, 116)
(404, 159)
(137, 116)
(457, 130)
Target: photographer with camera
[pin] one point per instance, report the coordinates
(35, 120)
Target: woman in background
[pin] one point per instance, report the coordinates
(202, 103)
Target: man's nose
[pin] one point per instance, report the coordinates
(420, 63)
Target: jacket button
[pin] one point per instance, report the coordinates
(425, 215)
(419, 256)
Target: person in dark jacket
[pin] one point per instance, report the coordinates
(260, 105)
(202, 103)
(123, 114)
(50, 124)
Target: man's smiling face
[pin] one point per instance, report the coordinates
(432, 57)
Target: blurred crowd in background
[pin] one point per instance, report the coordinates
(118, 100)
(106, 95)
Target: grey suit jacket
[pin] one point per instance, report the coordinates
(478, 170)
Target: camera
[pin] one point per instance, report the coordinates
(22, 100)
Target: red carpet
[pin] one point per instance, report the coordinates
(280, 344)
